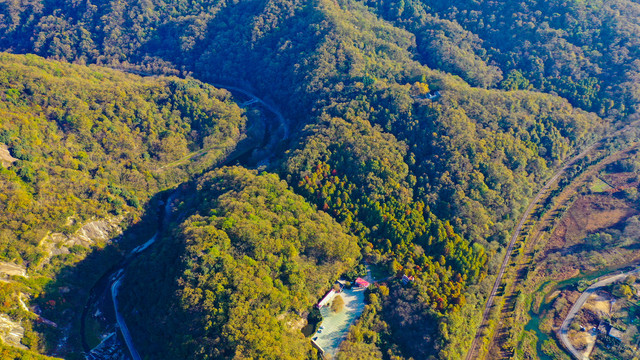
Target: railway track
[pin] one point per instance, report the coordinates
(542, 193)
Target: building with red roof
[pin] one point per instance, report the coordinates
(362, 282)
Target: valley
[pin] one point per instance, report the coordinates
(571, 215)
(186, 179)
(103, 296)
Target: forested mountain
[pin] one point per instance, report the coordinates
(233, 279)
(92, 144)
(430, 184)
(586, 51)
(106, 133)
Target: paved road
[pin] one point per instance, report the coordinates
(283, 122)
(124, 330)
(512, 242)
(564, 329)
(518, 230)
(117, 277)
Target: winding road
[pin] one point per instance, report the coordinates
(116, 274)
(284, 128)
(564, 329)
(122, 325)
(284, 125)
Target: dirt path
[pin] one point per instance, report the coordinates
(188, 157)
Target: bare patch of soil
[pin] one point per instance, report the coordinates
(12, 269)
(621, 181)
(86, 236)
(11, 332)
(599, 303)
(5, 157)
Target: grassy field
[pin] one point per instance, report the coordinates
(599, 186)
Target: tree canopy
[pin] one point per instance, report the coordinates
(422, 128)
(235, 277)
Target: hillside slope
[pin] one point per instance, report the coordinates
(234, 277)
(107, 133)
(430, 183)
(94, 147)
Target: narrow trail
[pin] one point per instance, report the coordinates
(188, 157)
(471, 354)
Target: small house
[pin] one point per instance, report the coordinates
(615, 333)
(326, 299)
(407, 279)
(433, 95)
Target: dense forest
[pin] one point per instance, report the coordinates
(242, 266)
(90, 143)
(586, 52)
(422, 127)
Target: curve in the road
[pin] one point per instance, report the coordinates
(512, 242)
(283, 122)
(124, 330)
(518, 230)
(564, 329)
(117, 277)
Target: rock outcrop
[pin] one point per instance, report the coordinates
(11, 332)
(5, 156)
(86, 236)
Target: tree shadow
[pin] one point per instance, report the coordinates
(78, 298)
